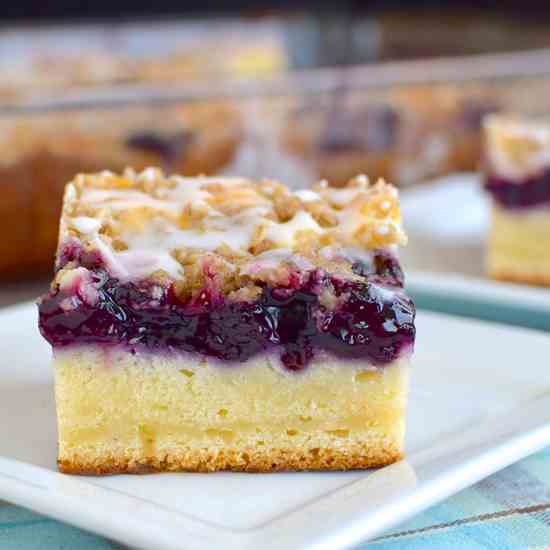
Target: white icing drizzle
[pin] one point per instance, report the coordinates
(149, 174)
(345, 196)
(307, 195)
(350, 253)
(271, 259)
(235, 237)
(142, 262)
(341, 197)
(110, 257)
(152, 238)
(284, 234)
(85, 225)
(118, 199)
(201, 181)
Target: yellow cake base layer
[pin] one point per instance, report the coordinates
(119, 412)
(519, 246)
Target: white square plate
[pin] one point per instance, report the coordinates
(480, 399)
(447, 221)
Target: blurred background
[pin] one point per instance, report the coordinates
(291, 90)
(320, 33)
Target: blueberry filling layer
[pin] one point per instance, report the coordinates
(168, 147)
(533, 191)
(370, 321)
(383, 269)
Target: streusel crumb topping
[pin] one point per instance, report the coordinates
(517, 147)
(232, 231)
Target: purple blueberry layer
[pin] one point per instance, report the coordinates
(373, 321)
(168, 147)
(533, 191)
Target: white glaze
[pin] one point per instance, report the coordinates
(284, 234)
(307, 195)
(85, 225)
(153, 237)
(119, 199)
(271, 259)
(341, 197)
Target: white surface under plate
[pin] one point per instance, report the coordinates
(480, 400)
(447, 221)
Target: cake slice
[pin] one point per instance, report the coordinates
(518, 180)
(218, 323)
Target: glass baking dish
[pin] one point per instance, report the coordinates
(44, 61)
(406, 122)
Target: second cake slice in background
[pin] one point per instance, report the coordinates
(518, 180)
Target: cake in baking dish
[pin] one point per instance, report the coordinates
(42, 152)
(407, 134)
(219, 323)
(518, 181)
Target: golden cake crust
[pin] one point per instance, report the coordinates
(357, 457)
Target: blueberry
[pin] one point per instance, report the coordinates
(169, 147)
(373, 319)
